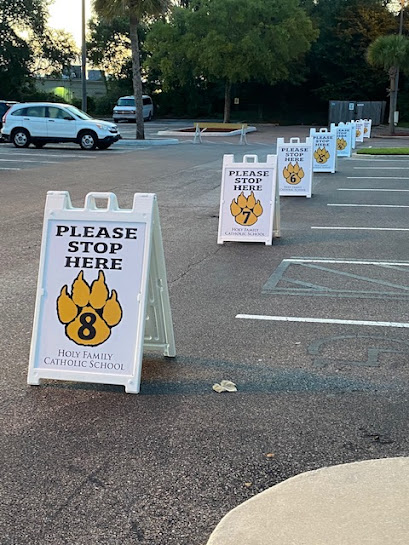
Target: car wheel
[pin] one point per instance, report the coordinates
(88, 140)
(21, 138)
(104, 145)
(150, 116)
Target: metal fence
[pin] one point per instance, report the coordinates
(343, 110)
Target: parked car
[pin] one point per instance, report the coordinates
(4, 106)
(43, 122)
(125, 109)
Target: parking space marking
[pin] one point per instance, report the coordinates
(27, 161)
(397, 159)
(346, 261)
(377, 178)
(330, 283)
(9, 168)
(360, 228)
(371, 189)
(371, 205)
(34, 154)
(381, 168)
(321, 320)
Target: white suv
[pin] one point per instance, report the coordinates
(43, 122)
(125, 109)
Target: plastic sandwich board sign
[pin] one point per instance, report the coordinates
(248, 200)
(102, 292)
(353, 133)
(324, 150)
(367, 128)
(344, 139)
(294, 167)
(360, 127)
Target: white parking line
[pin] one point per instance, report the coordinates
(346, 261)
(34, 154)
(380, 168)
(371, 189)
(9, 168)
(320, 320)
(377, 178)
(360, 228)
(371, 205)
(373, 160)
(26, 161)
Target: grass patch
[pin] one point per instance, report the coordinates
(383, 151)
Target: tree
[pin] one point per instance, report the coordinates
(233, 41)
(109, 47)
(392, 54)
(135, 11)
(50, 56)
(24, 38)
(15, 51)
(338, 69)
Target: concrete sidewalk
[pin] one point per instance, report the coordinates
(362, 503)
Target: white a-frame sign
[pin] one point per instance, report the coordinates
(249, 200)
(102, 293)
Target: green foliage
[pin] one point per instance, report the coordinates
(134, 11)
(33, 95)
(109, 46)
(233, 40)
(54, 53)
(138, 9)
(24, 37)
(390, 52)
(238, 40)
(383, 151)
(338, 67)
(230, 41)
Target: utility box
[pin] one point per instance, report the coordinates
(341, 111)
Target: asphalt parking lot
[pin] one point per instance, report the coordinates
(313, 330)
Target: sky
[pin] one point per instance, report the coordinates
(66, 15)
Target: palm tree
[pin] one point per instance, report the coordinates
(135, 11)
(392, 54)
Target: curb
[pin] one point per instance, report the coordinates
(145, 143)
(384, 136)
(235, 132)
(372, 155)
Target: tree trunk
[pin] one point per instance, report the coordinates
(227, 101)
(136, 78)
(393, 92)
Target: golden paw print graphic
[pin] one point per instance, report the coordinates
(246, 211)
(293, 174)
(321, 155)
(358, 133)
(365, 130)
(341, 143)
(89, 312)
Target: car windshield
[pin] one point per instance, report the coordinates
(77, 112)
(126, 102)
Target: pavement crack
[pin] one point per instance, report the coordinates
(90, 478)
(193, 265)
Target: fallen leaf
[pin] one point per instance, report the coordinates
(228, 385)
(270, 455)
(224, 386)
